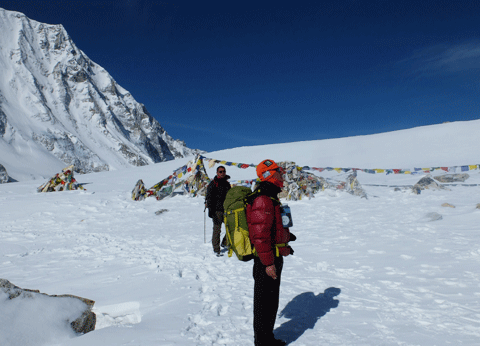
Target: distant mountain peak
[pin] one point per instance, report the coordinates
(57, 105)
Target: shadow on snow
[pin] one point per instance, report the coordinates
(304, 311)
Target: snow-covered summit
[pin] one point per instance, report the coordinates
(57, 107)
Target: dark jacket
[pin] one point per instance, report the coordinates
(216, 192)
(265, 224)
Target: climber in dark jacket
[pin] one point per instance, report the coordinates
(270, 240)
(216, 192)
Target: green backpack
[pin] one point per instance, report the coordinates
(236, 223)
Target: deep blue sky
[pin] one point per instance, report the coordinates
(223, 74)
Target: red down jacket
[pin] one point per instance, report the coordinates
(265, 225)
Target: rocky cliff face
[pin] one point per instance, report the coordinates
(58, 105)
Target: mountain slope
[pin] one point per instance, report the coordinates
(57, 107)
(448, 144)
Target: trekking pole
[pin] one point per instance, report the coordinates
(204, 225)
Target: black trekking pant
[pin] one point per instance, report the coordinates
(217, 229)
(265, 301)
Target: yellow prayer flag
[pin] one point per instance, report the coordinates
(472, 167)
(339, 170)
(379, 170)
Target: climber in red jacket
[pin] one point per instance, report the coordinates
(270, 240)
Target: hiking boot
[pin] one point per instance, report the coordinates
(218, 254)
(272, 342)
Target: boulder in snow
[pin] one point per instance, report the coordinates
(450, 178)
(426, 183)
(83, 324)
(4, 178)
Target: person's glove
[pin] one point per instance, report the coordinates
(292, 237)
(211, 213)
(271, 271)
(291, 250)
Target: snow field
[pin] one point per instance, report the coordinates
(373, 271)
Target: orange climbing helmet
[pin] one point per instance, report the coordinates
(266, 170)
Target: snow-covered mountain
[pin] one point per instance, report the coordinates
(57, 107)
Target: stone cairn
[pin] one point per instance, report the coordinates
(300, 184)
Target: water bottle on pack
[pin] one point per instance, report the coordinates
(286, 216)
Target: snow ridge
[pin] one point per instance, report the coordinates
(57, 107)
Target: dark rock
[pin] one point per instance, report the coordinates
(4, 178)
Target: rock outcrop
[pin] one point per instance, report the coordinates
(4, 178)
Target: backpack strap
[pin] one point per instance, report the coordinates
(251, 197)
(277, 251)
(230, 240)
